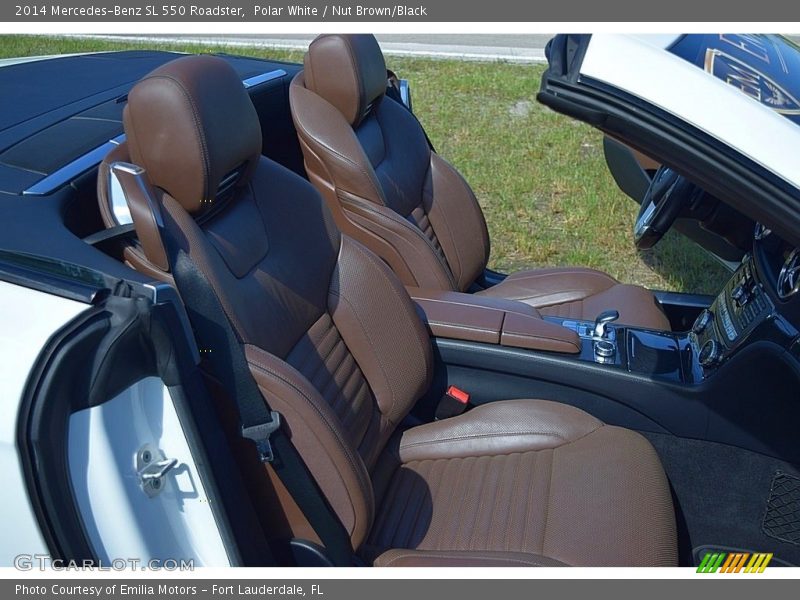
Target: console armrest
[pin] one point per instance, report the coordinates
(509, 323)
(534, 333)
(472, 300)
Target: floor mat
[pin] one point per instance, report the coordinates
(723, 495)
(782, 520)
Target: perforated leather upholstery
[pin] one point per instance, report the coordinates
(335, 343)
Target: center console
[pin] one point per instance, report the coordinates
(657, 354)
(684, 357)
(730, 378)
(732, 320)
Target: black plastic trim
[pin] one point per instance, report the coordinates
(56, 277)
(48, 482)
(682, 309)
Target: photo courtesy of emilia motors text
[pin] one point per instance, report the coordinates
(432, 299)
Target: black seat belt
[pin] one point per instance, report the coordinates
(260, 424)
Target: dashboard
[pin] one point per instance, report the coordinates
(760, 302)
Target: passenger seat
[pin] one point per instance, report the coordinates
(370, 159)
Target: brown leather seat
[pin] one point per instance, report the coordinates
(369, 158)
(334, 341)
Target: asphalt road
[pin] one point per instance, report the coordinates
(480, 40)
(509, 47)
(516, 48)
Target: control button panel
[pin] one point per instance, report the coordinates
(748, 305)
(726, 322)
(740, 307)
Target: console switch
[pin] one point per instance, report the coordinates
(710, 353)
(704, 319)
(739, 295)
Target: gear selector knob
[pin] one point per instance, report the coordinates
(602, 320)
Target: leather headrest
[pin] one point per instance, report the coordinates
(348, 71)
(191, 125)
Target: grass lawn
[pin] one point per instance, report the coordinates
(540, 177)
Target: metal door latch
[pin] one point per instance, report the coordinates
(152, 467)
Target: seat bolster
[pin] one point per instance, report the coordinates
(331, 138)
(503, 427)
(457, 221)
(314, 430)
(610, 503)
(395, 355)
(426, 268)
(422, 558)
(636, 305)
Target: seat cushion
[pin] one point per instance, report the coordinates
(525, 476)
(578, 293)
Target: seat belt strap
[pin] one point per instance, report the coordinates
(259, 423)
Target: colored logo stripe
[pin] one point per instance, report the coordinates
(711, 562)
(758, 563)
(734, 562)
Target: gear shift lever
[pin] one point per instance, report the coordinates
(602, 320)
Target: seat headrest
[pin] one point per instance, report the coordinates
(192, 126)
(348, 71)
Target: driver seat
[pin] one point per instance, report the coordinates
(369, 157)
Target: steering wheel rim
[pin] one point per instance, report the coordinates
(661, 205)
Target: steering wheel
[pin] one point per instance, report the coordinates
(662, 203)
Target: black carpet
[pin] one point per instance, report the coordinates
(721, 494)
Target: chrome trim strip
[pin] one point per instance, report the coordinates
(92, 158)
(71, 170)
(116, 200)
(226, 183)
(263, 78)
(405, 93)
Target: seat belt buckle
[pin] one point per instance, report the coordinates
(454, 402)
(260, 435)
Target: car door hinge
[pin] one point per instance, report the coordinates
(152, 467)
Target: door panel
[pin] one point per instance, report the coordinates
(110, 444)
(122, 519)
(21, 339)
